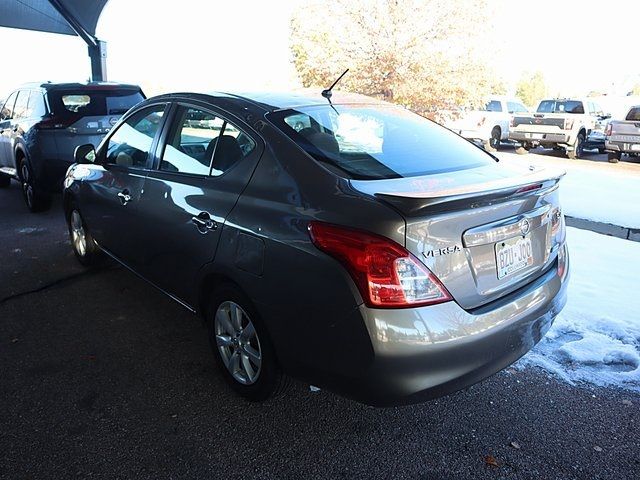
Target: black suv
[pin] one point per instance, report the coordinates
(42, 124)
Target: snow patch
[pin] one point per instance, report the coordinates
(596, 338)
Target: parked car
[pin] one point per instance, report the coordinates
(373, 253)
(42, 124)
(623, 136)
(490, 125)
(571, 125)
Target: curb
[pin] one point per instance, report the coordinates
(625, 233)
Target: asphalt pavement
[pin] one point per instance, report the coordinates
(101, 376)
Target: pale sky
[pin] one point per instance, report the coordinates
(580, 45)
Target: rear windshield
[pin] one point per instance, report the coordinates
(634, 114)
(560, 106)
(93, 102)
(377, 142)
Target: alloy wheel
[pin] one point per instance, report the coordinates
(78, 235)
(238, 343)
(27, 187)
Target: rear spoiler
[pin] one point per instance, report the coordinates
(429, 196)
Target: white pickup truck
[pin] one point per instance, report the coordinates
(623, 136)
(490, 125)
(565, 124)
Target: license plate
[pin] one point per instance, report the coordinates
(535, 136)
(513, 255)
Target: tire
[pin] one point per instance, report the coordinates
(578, 148)
(494, 141)
(5, 181)
(523, 149)
(241, 345)
(84, 246)
(614, 157)
(35, 200)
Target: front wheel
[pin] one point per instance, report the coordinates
(36, 200)
(84, 246)
(241, 345)
(578, 148)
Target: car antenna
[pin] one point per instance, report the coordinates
(328, 92)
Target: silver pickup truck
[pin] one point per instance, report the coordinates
(623, 136)
(571, 125)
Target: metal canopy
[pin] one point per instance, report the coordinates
(67, 17)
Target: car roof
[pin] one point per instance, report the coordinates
(272, 101)
(78, 85)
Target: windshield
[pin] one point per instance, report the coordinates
(560, 106)
(377, 142)
(94, 102)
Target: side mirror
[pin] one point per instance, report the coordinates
(85, 154)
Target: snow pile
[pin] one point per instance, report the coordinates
(596, 191)
(596, 338)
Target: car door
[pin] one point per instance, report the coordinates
(205, 160)
(111, 192)
(6, 116)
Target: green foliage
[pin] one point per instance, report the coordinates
(532, 88)
(425, 54)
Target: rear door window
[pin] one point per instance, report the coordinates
(129, 146)
(493, 106)
(22, 104)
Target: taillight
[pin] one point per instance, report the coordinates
(568, 123)
(54, 123)
(386, 274)
(608, 130)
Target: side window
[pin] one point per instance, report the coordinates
(597, 110)
(233, 146)
(36, 105)
(191, 142)
(512, 107)
(521, 108)
(20, 110)
(7, 109)
(494, 106)
(201, 143)
(130, 144)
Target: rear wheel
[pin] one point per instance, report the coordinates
(84, 246)
(523, 149)
(578, 148)
(241, 345)
(5, 181)
(36, 200)
(614, 157)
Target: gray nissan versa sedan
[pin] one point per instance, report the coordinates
(353, 245)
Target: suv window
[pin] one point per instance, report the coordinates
(88, 102)
(493, 106)
(36, 105)
(7, 109)
(633, 115)
(22, 105)
(130, 144)
(561, 106)
(202, 143)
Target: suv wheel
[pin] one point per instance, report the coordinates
(494, 141)
(578, 148)
(614, 157)
(523, 149)
(36, 201)
(5, 181)
(241, 345)
(84, 246)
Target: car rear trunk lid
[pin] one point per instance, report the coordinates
(484, 232)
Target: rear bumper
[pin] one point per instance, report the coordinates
(428, 352)
(624, 147)
(541, 138)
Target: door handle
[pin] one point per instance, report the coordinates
(124, 197)
(204, 222)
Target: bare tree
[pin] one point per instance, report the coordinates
(425, 54)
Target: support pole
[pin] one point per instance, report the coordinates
(98, 56)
